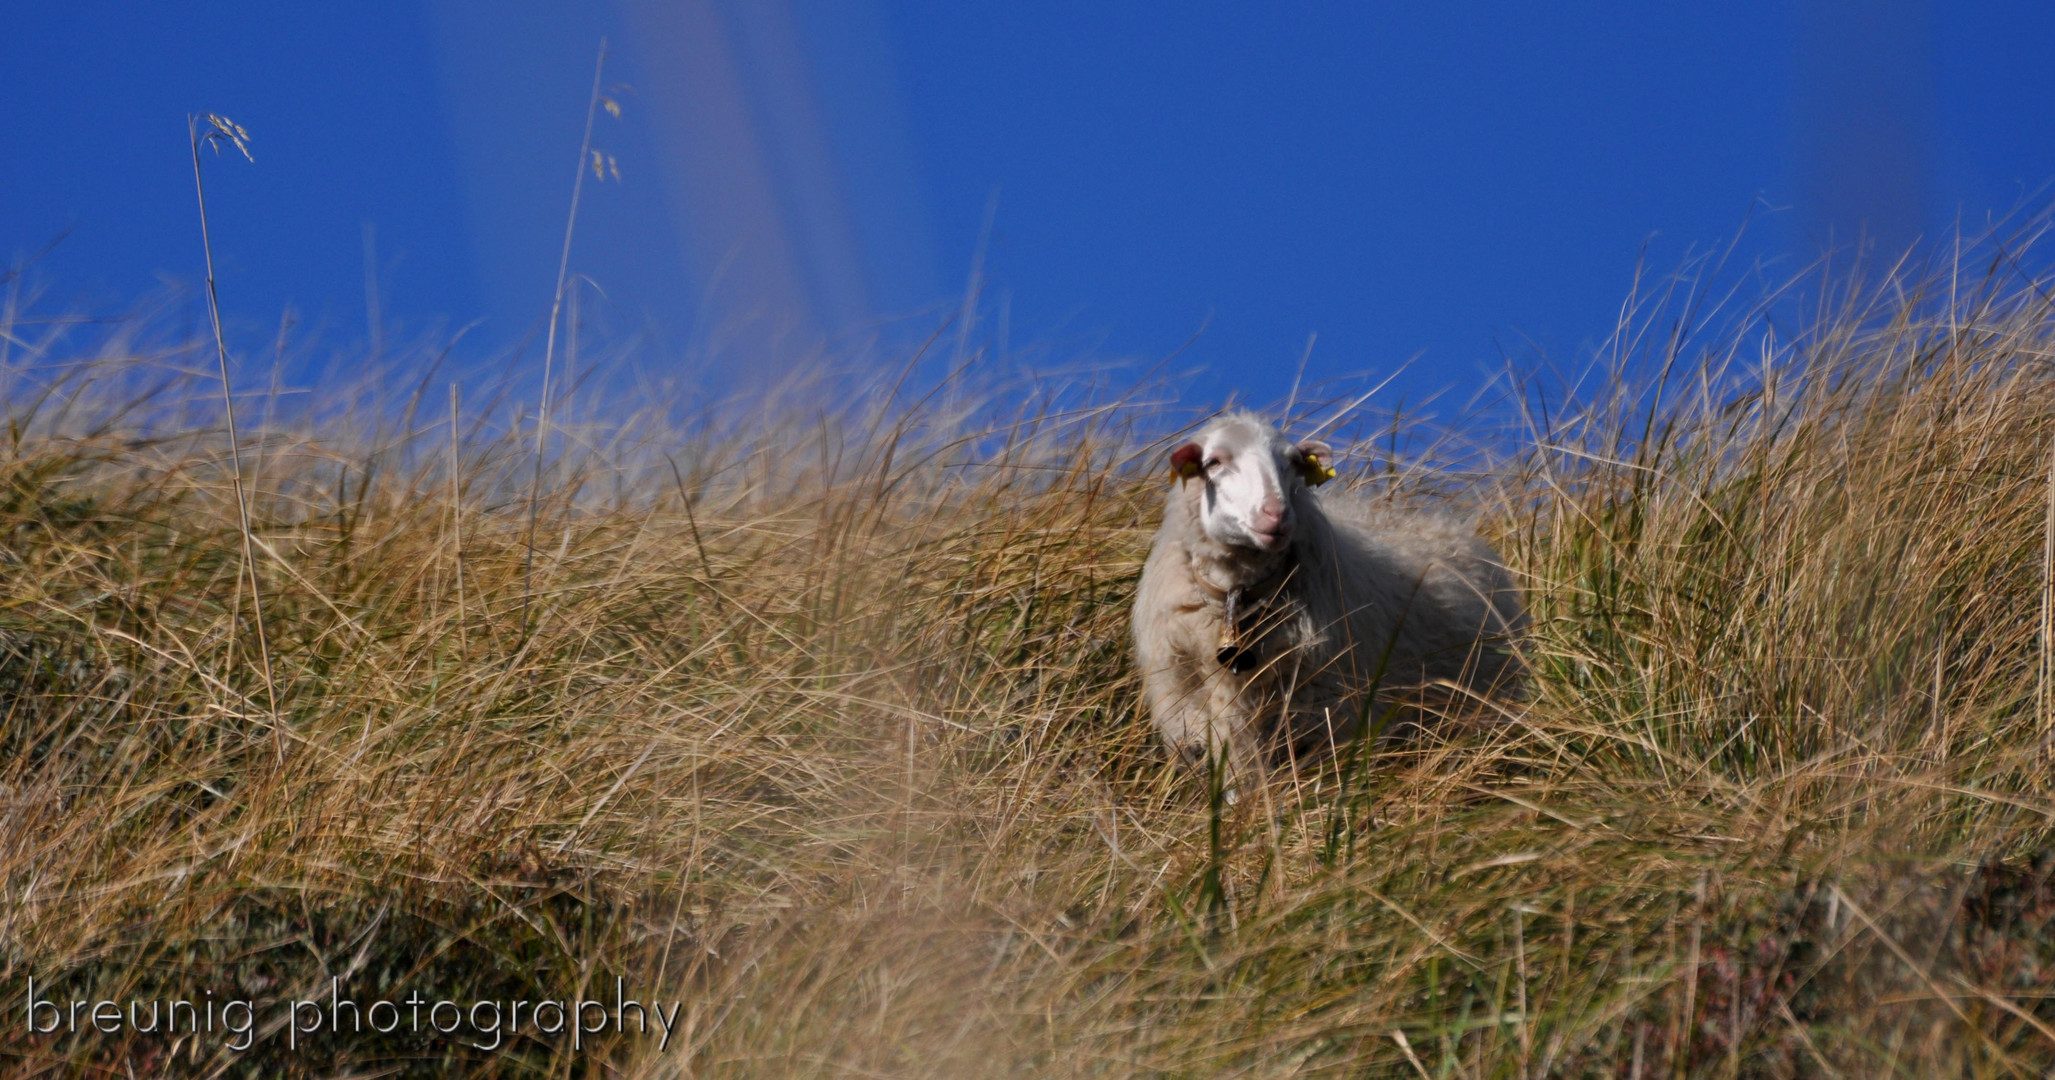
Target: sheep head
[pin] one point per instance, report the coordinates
(1250, 476)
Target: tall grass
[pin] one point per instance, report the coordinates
(824, 725)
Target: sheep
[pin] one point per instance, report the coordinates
(1271, 623)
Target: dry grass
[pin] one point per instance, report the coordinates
(831, 735)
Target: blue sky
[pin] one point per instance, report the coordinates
(1433, 183)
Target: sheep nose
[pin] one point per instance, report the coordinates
(1270, 515)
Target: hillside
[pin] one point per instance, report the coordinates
(820, 732)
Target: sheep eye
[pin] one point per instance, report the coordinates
(1212, 464)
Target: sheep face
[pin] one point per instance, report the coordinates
(1243, 477)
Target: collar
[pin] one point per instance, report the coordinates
(1264, 587)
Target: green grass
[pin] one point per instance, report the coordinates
(831, 735)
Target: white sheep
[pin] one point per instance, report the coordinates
(1271, 623)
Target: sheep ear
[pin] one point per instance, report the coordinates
(1184, 461)
(1313, 463)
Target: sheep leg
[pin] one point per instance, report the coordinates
(1232, 735)
(1202, 718)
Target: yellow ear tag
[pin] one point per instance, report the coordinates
(1185, 470)
(1314, 472)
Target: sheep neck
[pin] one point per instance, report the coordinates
(1243, 604)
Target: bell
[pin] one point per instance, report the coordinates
(1230, 652)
